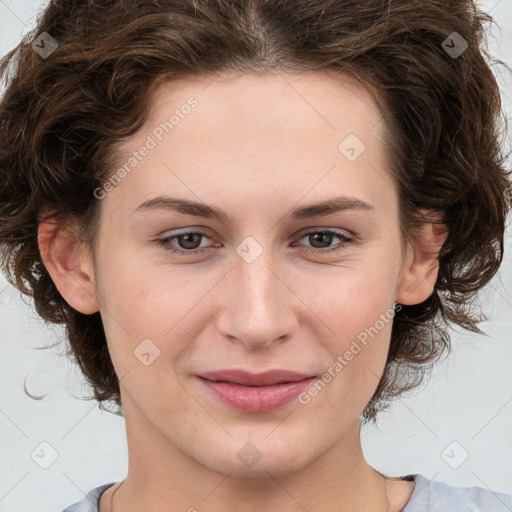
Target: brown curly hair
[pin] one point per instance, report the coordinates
(62, 115)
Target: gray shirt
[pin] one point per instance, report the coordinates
(428, 496)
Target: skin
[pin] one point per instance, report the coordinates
(255, 146)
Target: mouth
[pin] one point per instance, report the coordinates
(256, 394)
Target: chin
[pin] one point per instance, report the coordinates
(258, 459)
(261, 469)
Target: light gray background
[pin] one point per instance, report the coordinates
(468, 400)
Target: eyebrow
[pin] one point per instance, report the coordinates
(327, 207)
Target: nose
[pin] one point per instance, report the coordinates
(259, 304)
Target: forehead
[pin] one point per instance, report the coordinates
(264, 133)
(329, 101)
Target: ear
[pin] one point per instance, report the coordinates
(69, 264)
(421, 265)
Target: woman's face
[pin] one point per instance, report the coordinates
(263, 294)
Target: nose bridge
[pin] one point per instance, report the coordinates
(261, 306)
(259, 281)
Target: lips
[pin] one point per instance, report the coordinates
(255, 393)
(245, 378)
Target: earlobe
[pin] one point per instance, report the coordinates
(421, 265)
(69, 264)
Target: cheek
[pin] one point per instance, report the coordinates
(357, 355)
(357, 306)
(352, 297)
(144, 301)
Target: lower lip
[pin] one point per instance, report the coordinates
(256, 398)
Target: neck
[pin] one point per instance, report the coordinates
(161, 474)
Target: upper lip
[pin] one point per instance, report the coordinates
(246, 378)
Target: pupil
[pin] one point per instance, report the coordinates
(186, 237)
(329, 236)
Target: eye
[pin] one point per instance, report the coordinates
(189, 242)
(325, 237)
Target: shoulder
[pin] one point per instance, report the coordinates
(91, 500)
(434, 496)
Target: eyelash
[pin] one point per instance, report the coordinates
(164, 242)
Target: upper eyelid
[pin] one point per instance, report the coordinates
(338, 231)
